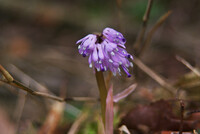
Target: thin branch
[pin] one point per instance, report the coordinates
(182, 107)
(6, 74)
(10, 81)
(119, 14)
(144, 25)
(154, 76)
(153, 30)
(21, 75)
(88, 99)
(188, 65)
(19, 108)
(78, 122)
(49, 96)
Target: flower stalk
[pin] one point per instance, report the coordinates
(103, 92)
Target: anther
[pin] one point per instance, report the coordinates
(105, 68)
(131, 64)
(110, 61)
(129, 56)
(112, 53)
(98, 69)
(84, 55)
(90, 65)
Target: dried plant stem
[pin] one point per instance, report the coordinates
(19, 107)
(6, 74)
(187, 64)
(154, 76)
(182, 114)
(119, 14)
(49, 96)
(11, 81)
(103, 92)
(148, 39)
(144, 25)
(76, 125)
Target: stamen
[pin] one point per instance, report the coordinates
(112, 53)
(105, 68)
(84, 55)
(131, 64)
(84, 48)
(102, 69)
(126, 71)
(114, 73)
(110, 61)
(90, 65)
(119, 69)
(98, 69)
(79, 47)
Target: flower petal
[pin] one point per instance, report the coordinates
(95, 55)
(100, 52)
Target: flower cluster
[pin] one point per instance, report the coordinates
(106, 51)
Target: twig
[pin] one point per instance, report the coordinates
(77, 123)
(195, 132)
(89, 99)
(119, 14)
(152, 31)
(144, 25)
(187, 64)
(53, 118)
(6, 74)
(182, 114)
(154, 76)
(123, 129)
(21, 75)
(193, 111)
(49, 96)
(9, 80)
(19, 108)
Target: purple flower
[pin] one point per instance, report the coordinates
(106, 51)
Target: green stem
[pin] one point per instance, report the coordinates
(102, 91)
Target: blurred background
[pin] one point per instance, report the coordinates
(37, 46)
